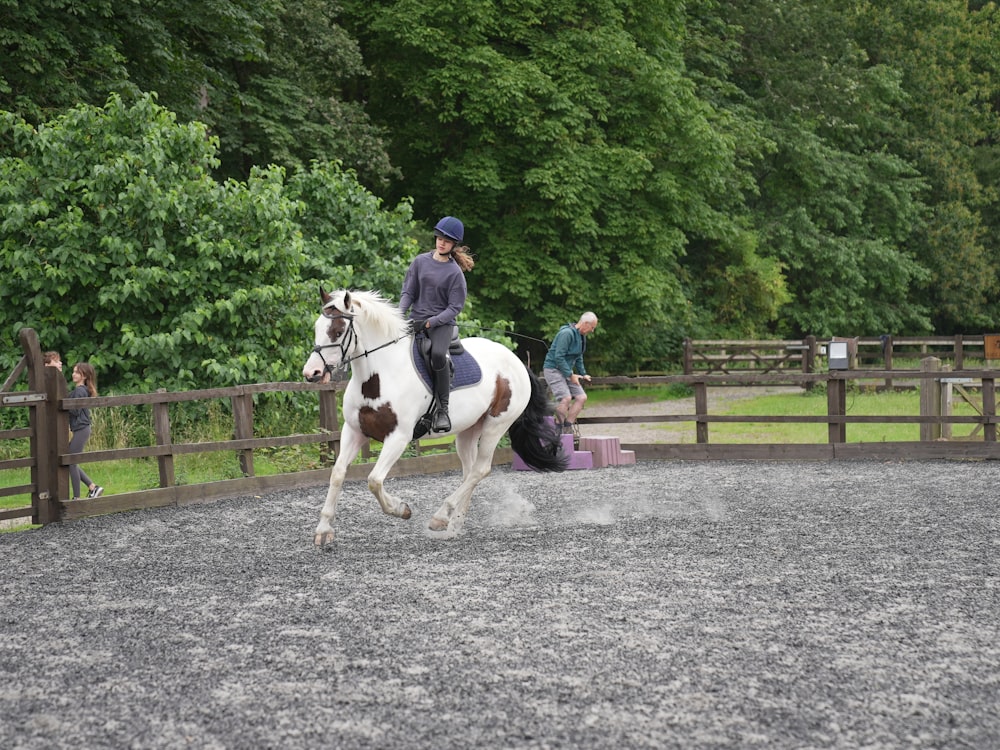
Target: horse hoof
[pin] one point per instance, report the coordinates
(437, 524)
(405, 513)
(324, 540)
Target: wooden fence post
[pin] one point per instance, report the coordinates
(41, 417)
(809, 355)
(56, 431)
(161, 427)
(930, 399)
(887, 359)
(836, 406)
(328, 422)
(243, 429)
(700, 410)
(688, 357)
(989, 409)
(944, 407)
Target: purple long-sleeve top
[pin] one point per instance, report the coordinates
(436, 291)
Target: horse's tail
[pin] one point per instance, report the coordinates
(534, 438)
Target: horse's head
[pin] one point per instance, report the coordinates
(352, 324)
(334, 337)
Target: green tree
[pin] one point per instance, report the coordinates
(119, 247)
(835, 205)
(568, 139)
(946, 53)
(740, 290)
(283, 99)
(55, 54)
(349, 239)
(267, 78)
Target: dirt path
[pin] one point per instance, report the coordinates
(667, 432)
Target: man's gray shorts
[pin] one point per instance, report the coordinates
(561, 387)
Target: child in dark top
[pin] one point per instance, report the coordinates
(85, 380)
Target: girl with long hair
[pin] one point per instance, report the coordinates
(85, 382)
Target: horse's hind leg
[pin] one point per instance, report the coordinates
(467, 446)
(350, 443)
(477, 462)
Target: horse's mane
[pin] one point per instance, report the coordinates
(379, 312)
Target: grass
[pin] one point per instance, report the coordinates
(900, 403)
(805, 403)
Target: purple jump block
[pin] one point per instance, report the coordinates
(604, 449)
(607, 451)
(577, 459)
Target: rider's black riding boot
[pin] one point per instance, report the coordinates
(442, 389)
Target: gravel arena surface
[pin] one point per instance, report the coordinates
(665, 605)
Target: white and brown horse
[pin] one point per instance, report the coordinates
(386, 396)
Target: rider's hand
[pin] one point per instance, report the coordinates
(416, 326)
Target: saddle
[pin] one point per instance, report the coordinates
(462, 367)
(454, 349)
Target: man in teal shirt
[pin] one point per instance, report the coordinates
(564, 369)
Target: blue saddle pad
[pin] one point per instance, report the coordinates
(467, 370)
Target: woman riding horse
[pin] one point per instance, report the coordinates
(435, 289)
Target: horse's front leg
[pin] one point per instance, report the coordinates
(392, 448)
(351, 441)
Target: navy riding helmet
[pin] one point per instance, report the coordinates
(450, 228)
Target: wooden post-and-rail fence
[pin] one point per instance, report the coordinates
(935, 418)
(728, 356)
(48, 432)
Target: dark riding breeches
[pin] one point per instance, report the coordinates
(440, 340)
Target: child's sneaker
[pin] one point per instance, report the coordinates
(96, 492)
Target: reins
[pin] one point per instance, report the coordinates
(347, 341)
(513, 334)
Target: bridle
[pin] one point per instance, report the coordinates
(345, 342)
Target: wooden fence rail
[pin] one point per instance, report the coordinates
(727, 356)
(49, 459)
(837, 419)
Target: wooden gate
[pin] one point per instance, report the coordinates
(41, 455)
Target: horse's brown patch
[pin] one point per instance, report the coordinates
(371, 388)
(336, 328)
(377, 423)
(501, 397)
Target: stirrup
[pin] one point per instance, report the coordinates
(422, 427)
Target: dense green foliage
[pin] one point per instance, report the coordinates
(681, 167)
(569, 138)
(119, 247)
(266, 77)
(836, 208)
